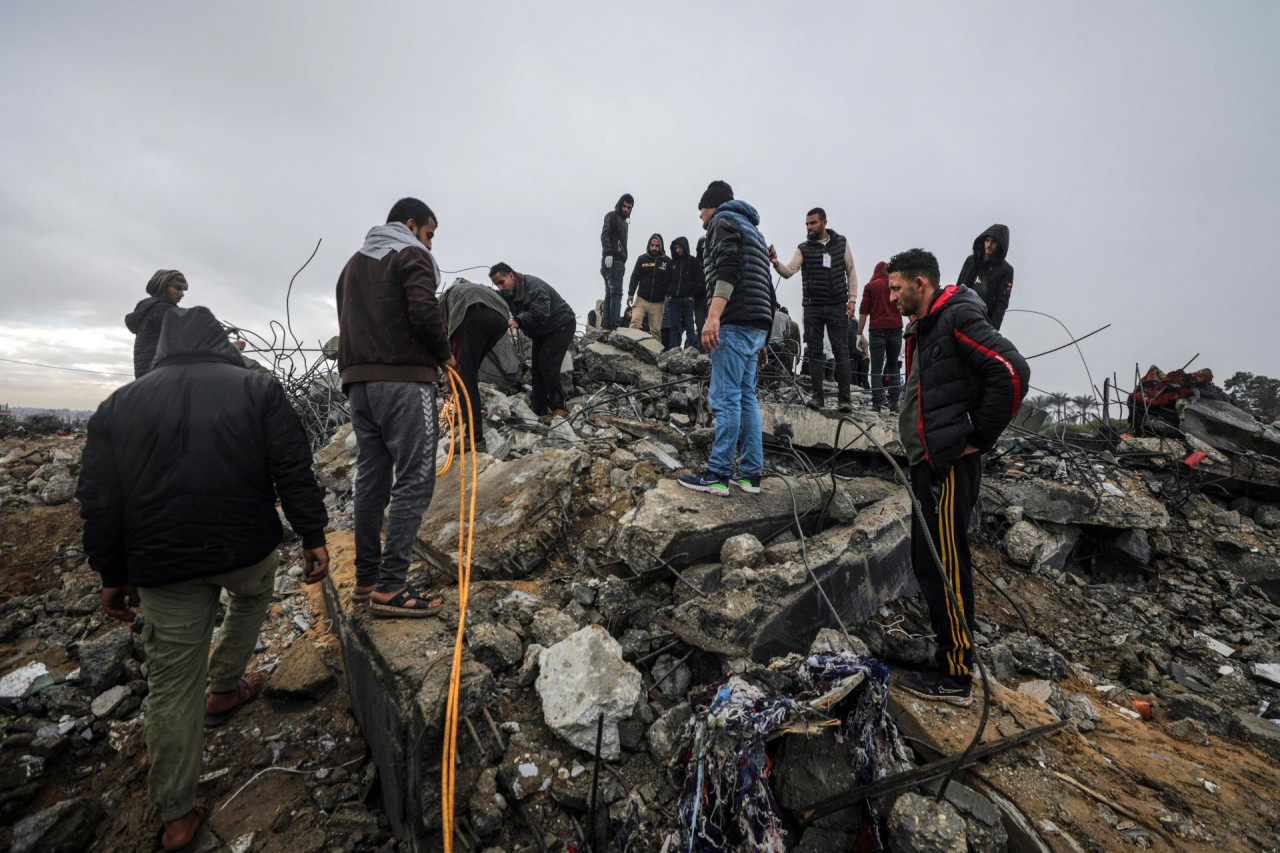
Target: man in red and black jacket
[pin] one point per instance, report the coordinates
(964, 385)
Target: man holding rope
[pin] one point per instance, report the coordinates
(392, 342)
(964, 385)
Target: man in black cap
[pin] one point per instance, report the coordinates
(829, 285)
(613, 259)
(736, 263)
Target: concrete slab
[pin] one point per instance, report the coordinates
(809, 428)
(520, 514)
(1061, 503)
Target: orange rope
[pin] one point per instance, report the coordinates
(460, 401)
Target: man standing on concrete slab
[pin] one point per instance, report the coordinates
(964, 385)
(178, 488)
(987, 272)
(476, 317)
(164, 291)
(829, 286)
(391, 344)
(647, 292)
(549, 322)
(736, 262)
(613, 259)
(683, 286)
(886, 338)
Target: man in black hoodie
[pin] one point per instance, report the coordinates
(988, 274)
(648, 290)
(164, 291)
(548, 321)
(683, 286)
(178, 486)
(613, 259)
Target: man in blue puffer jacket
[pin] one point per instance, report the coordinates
(736, 267)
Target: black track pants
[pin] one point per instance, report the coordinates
(947, 499)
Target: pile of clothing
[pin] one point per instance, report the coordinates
(726, 803)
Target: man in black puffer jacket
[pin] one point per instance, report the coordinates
(964, 385)
(164, 291)
(547, 320)
(736, 264)
(178, 488)
(987, 273)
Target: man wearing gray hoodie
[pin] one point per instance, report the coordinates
(391, 343)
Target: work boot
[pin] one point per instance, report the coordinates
(845, 406)
(815, 403)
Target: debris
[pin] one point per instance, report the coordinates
(924, 825)
(301, 675)
(582, 677)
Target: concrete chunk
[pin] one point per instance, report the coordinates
(582, 677)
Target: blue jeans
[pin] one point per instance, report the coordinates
(886, 345)
(680, 310)
(613, 276)
(733, 399)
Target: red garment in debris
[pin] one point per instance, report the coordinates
(1160, 389)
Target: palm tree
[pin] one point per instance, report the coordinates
(1084, 405)
(1044, 403)
(1060, 400)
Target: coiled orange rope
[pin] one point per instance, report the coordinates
(460, 402)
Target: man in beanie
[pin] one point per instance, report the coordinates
(164, 291)
(736, 265)
(613, 259)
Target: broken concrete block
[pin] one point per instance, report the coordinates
(494, 645)
(809, 768)
(605, 363)
(685, 362)
(582, 677)
(1078, 707)
(778, 610)
(923, 825)
(833, 641)
(1227, 427)
(1187, 730)
(550, 626)
(520, 514)
(302, 674)
(1046, 691)
(637, 343)
(743, 551)
(1263, 734)
(1061, 503)
(806, 427)
(663, 735)
(1023, 541)
(102, 660)
(104, 703)
(529, 665)
(984, 831)
(68, 825)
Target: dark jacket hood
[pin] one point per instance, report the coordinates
(684, 243)
(1001, 233)
(662, 246)
(194, 334)
(618, 207)
(133, 320)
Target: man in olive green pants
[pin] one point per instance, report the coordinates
(179, 623)
(178, 487)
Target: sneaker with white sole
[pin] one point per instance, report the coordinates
(706, 482)
(936, 687)
(750, 485)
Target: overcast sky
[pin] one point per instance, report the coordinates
(1131, 148)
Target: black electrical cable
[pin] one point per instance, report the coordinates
(288, 319)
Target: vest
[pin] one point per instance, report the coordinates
(822, 285)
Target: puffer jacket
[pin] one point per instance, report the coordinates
(145, 321)
(992, 280)
(686, 279)
(537, 307)
(651, 273)
(182, 467)
(736, 252)
(613, 235)
(971, 380)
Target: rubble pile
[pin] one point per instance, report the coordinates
(632, 648)
(39, 472)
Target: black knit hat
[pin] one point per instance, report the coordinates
(718, 192)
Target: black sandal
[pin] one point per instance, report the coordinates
(397, 605)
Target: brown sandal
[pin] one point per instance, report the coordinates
(247, 689)
(202, 817)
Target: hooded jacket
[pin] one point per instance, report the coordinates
(736, 252)
(537, 307)
(613, 236)
(389, 323)
(145, 321)
(181, 468)
(969, 380)
(651, 273)
(875, 302)
(992, 280)
(686, 279)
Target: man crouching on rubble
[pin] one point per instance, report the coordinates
(178, 492)
(964, 385)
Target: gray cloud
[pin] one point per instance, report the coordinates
(1129, 147)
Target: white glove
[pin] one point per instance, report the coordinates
(608, 262)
